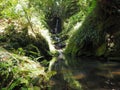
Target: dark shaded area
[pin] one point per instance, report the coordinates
(91, 73)
(56, 25)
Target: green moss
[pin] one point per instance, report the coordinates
(83, 39)
(90, 38)
(101, 50)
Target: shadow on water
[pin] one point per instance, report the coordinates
(84, 74)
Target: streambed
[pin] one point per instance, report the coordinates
(84, 74)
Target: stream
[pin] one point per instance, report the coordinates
(84, 74)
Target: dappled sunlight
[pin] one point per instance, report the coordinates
(23, 63)
(59, 44)
(40, 28)
(52, 62)
(24, 70)
(46, 34)
(77, 26)
(34, 67)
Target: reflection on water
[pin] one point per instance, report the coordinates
(85, 74)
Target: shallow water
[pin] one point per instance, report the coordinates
(85, 74)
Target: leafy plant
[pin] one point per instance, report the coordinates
(19, 72)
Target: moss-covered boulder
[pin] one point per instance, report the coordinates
(98, 34)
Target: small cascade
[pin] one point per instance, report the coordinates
(56, 29)
(58, 41)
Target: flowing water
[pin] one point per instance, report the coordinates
(84, 74)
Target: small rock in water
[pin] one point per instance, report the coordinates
(59, 46)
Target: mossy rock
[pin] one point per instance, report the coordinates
(90, 38)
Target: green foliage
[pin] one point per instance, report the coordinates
(19, 72)
(18, 28)
(77, 19)
(8, 8)
(17, 10)
(56, 7)
(48, 9)
(18, 40)
(14, 8)
(87, 38)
